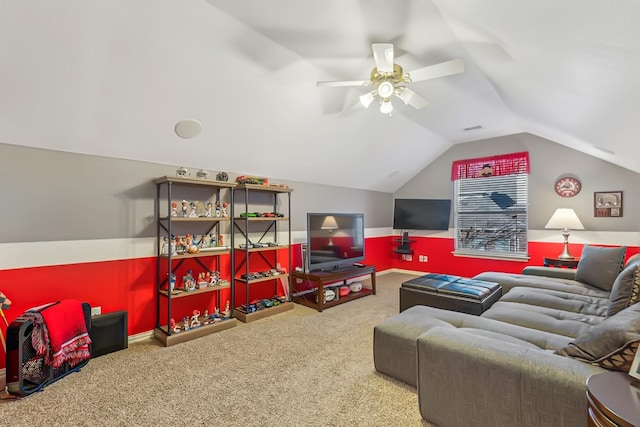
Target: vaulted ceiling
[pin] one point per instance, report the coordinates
(112, 78)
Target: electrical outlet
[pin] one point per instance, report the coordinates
(96, 311)
(407, 257)
(423, 258)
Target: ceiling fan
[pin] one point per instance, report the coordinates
(389, 79)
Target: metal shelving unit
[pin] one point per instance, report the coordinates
(168, 263)
(257, 231)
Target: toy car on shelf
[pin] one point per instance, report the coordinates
(254, 180)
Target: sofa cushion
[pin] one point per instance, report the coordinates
(611, 344)
(626, 289)
(599, 266)
(559, 300)
(560, 322)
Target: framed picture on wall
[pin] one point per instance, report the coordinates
(607, 203)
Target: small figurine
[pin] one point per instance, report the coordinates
(212, 240)
(174, 326)
(217, 209)
(182, 171)
(220, 244)
(164, 250)
(222, 176)
(172, 282)
(227, 311)
(185, 209)
(195, 321)
(193, 213)
(185, 323)
(205, 241)
(174, 208)
(192, 248)
(202, 282)
(205, 317)
(224, 210)
(187, 281)
(202, 174)
(209, 213)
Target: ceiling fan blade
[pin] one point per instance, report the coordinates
(344, 83)
(455, 66)
(383, 55)
(409, 97)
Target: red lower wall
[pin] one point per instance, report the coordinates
(130, 284)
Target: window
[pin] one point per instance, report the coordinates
(491, 199)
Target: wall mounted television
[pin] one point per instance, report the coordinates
(334, 240)
(421, 214)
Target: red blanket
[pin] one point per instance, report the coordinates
(62, 336)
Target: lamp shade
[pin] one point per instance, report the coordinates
(329, 223)
(564, 218)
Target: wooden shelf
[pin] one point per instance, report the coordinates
(309, 299)
(221, 251)
(268, 188)
(194, 181)
(181, 294)
(195, 219)
(262, 218)
(269, 248)
(263, 279)
(200, 331)
(261, 314)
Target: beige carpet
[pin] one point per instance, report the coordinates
(299, 368)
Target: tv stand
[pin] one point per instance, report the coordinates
(404, 246)
(314, 297)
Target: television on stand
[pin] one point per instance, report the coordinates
(334, 240)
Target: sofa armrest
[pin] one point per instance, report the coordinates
(558, 273)
(464, 379)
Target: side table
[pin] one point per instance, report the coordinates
(613, 400)
(556, 262)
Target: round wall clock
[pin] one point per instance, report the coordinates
(568, 186)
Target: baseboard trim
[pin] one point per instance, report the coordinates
(142, 336)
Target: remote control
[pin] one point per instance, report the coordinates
(358, 264)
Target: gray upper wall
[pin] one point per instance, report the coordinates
(548, 162)
(55, 196)
(52, 195)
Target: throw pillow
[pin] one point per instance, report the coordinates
(612, 344)
(599, 266)
(625, 290)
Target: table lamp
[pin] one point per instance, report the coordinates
(565, 219)
(329, 223)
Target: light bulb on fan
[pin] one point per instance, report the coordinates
(386, 107)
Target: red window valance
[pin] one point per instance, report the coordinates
(505, 164)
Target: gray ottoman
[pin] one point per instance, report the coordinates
(395, 341)
(449, 292)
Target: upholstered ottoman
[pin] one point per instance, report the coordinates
(449, 292)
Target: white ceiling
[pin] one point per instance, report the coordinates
(112, 78)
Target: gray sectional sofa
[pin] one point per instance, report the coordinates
(525, 360)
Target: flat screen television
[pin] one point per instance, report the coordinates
(334, 240)
(421, 214)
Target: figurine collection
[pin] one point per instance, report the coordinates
(197, 209)
(196, 319)
(191, 244)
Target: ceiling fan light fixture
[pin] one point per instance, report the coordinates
(386, 107)
(385, 89)
(367, 99)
